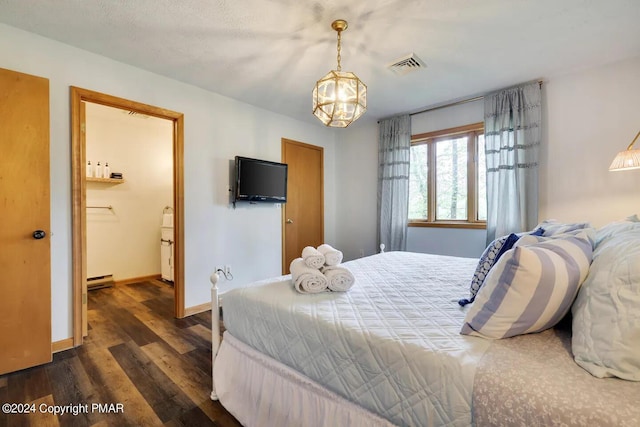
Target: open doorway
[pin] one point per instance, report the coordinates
(80, 98)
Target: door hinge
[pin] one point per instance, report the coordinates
(83, 127)
(84, 298)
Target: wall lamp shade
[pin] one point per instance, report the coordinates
(340, 97)
(628, 159)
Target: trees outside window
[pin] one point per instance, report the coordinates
(447, 181)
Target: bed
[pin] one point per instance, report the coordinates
(390, 352)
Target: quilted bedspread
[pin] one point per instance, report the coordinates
(391, 344)
(532, 380)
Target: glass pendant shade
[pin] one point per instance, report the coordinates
(339, 98)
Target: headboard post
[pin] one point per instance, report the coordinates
(215, 329)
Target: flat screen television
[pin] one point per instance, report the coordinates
(260, 181)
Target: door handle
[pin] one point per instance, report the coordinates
(39, 234)
(289, 221)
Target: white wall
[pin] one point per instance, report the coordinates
(357, 188)
(590, 115)
(125, 241)
(216, 129)
(448, 117)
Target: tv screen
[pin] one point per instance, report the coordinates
(260, 180)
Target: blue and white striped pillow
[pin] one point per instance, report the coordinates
(530, 288)
(489, 257)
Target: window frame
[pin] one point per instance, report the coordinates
(430, 138)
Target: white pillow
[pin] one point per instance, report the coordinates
(552, 227)
(606, 313)
(530, 288)
(617, 227)
(532, 239)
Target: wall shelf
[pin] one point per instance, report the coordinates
(105, 180)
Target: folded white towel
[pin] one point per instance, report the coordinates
(312, 257)
(340, 278)
(332, 256)
(307, 280)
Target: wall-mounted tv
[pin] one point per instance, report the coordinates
(260, 181)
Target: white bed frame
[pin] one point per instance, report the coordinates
(215, 329)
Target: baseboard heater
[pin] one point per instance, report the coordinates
(99, 282)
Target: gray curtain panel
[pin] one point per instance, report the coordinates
(394, 144)
(512, 127)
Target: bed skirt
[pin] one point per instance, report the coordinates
(259, 391)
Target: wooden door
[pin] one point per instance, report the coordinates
(25, 254)
(303, 214)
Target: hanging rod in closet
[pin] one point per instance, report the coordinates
(101, 207)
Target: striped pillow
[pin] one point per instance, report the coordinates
(530, 288)
(489, 257)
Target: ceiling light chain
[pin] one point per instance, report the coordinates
(339, 49)
(340, 97)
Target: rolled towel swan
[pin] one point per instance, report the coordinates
(340, 278)
(332, 256)
(307, 280)
(312, 257)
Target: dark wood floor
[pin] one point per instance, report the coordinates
(137, 355)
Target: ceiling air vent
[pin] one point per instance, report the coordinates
(407, 64)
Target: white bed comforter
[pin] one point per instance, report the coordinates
(391, 343)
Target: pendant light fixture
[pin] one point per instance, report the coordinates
(340, 97)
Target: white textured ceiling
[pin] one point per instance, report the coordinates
(269, 53)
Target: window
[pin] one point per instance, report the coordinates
(447, 178)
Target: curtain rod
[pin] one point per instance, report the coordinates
(452, 104)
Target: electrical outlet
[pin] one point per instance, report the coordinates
(227, 269)
(220, 270)
(361, 253)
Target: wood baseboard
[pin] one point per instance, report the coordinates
(61, 345)
(138, 279)
(197, 309)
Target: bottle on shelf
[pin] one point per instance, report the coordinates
(106, 173)
(98, 172)
(89, 169)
